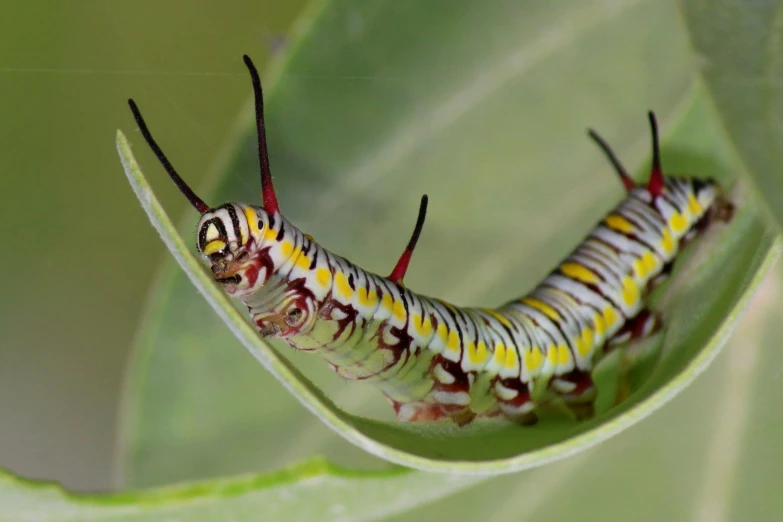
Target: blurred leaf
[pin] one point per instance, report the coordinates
(363, 118)
(311, 491)
(738, 48)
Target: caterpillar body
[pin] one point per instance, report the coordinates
(435, 360)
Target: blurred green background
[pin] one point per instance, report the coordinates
(79, 254)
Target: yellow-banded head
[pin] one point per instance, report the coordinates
(224, 239)
(229, 235)
(230, 238)
(701, 199)
(222, 231)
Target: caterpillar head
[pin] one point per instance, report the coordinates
(231, 236)
(703, 197)
(709, 195)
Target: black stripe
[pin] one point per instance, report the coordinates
(481, 333)
(202, 234)
(638, 215)
(232, 212)
(514, 330)
(631, 236)
(597, 290)
(555, 322)
(653, 211)
(579, 301)
(600, 258)
(405, 303)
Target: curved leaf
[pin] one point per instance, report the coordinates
(360, 122)
(313, 490)
(739, 46)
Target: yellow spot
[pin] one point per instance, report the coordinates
(286, 248)
(387, 302)
(323, 276)
(453, 343)
(564, 355)
(252, 221)
(367, 298)
(399, 310)
(579, 272)
(630, 291)
(500, 353)
(586, 344)
(694, 206)
(580, 346)
(477, 352)
(295, 255)
(308, 236)
(619, 223)
(500, 317)
(551, 354)
(269, 234)
(639, 268)
(443, 332)
(610, 316)
(533, 359)
(341, 282)
(649, 261)
(214, 246)
(542, 306)
(600, 324)
(667, 242)
(303, 262)
(423, 326)
(677, 222)
(512, 359)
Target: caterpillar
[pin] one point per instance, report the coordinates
(434, 360)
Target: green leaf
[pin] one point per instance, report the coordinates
(314, 490)
(362, 118)
(738, 47)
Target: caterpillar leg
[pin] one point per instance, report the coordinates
(452, 390)
(429, 412)
(515, 402)
(461, 417)
(417, 411)
(645, 324)
(578, 392)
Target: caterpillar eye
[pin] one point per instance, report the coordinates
(293, 316)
